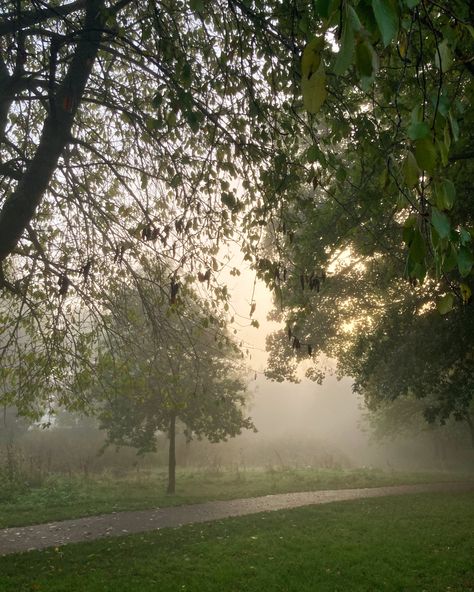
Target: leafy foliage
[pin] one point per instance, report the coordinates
(385, 195)
(386, 145)
(157, 366)
(127, 130)
(136, 129)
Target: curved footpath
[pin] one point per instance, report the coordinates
(54, 534)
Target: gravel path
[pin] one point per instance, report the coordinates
(54, 534)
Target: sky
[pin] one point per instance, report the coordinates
(330, 411)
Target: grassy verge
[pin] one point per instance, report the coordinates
(61, 498)
(406, 543)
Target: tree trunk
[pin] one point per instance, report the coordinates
(172, 456)
(20, 207)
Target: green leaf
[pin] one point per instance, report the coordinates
(346, 49)
(450, 259)
(228, 200)
(442, 102)
(418, 130)
(411, 221)
(321, 8)
(470, 28)
(465, 236)
(447, 136)
(314, 91)
(402, 201)
(193, 120)
(186, 74)
(387, 19)
(443, 152)
(341, 174)
(353, 18)
(411, 3)
(365, 59)
(411, 171)
(466, 293)
(196, 5)
(171, 119)
(440, 223)
(465, 261)
(443, 56)
(313, 153)
(407, 235)
(445, 194)
(384, 178)
(446, 303)
(454, 127)
(417, 248)
(425, 154)
(311, 58)
(417, 271)
(303, 25)
(417, 114)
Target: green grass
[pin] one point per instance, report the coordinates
(420, 542)
(61, 498)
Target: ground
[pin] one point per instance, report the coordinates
(420, 542)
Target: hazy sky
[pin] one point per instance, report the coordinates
(330, 411)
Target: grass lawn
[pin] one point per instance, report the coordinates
(421, 542)
(60, 498)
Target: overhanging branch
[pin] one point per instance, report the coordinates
(14, 22)
(20, 207)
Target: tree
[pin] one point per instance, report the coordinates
(399, 157)
(159, 367)
(12, 426)
(385, 170)
(378, 234)
(133, 128)
(403, 419)
(441, 371)
(386, 334)
(125, 129)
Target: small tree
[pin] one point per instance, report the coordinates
(165, 364)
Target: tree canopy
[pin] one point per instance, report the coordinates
(128, 130)
(376, 242)
(133, 129)
(157, 367)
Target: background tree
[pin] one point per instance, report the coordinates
(403, 420)
(388, 336)
(159, 367)
(440, 372)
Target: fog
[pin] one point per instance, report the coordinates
(329, 413)
(298, 425)
(319, 425)
(307, 425)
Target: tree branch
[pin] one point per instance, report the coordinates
(20, 207)
(14, 22)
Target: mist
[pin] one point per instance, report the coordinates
(325, 426)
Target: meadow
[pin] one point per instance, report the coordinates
(421, 542)
(59, 497)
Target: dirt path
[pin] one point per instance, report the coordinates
(54, 534)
